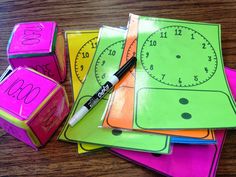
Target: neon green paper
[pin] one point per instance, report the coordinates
(105, 63)
(81, 48)
(180, 82)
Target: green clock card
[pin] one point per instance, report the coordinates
(180, 77)
(81, 49)
(104, 64)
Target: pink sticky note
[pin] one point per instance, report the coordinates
(185, 160)
(32, 106)
(40, 46)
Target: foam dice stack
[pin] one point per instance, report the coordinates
(33, 104)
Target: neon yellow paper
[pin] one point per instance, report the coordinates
(180, 77)
(81, 47)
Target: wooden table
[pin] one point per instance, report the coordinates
(60, 158)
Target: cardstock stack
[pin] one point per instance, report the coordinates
(168, 104)
(121, 107)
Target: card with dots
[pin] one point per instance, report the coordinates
(180, 76)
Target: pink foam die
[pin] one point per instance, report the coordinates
(32, 106)
(38, 45)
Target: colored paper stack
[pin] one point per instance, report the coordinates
(162, 113)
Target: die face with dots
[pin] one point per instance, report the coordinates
(40, 46)
(32, 106)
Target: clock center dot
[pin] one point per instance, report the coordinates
(178, 56)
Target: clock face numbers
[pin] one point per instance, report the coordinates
(84, 58)
(105, 61)
(130, 53)
(178, 56)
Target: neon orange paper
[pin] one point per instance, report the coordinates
(120, 110)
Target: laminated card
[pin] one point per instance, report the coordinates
(180, 77)
(105, 62)
(81, 47)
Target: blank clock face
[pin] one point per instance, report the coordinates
(178, 56)
(84, 58)
(104, 67)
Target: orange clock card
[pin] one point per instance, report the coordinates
(121, 104)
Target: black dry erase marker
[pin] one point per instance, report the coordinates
(102, 91)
